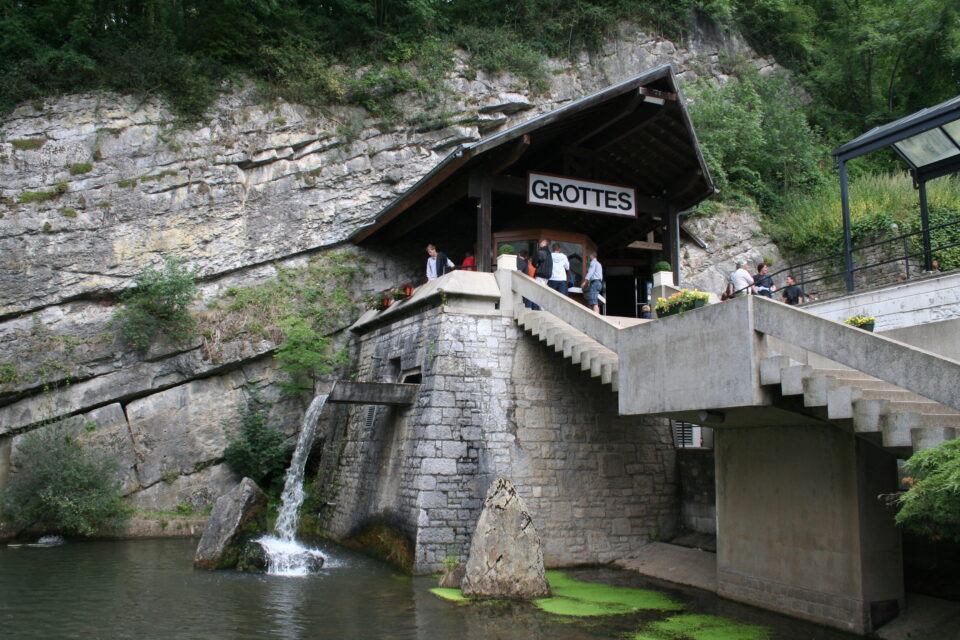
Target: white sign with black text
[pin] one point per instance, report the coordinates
(584, 195)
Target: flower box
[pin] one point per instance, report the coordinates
(680, 302)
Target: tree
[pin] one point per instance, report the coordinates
(63, 488)
(931, 507)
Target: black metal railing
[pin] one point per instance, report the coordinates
(878, 263)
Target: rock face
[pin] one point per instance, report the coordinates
(506, 557)
(220, 545)
(93, 188)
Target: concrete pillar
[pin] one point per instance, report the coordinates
(800, 529)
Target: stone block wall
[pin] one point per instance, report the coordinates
(698, 493)
(495, 402)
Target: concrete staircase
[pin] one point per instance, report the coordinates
(894, 418)
(576, 346)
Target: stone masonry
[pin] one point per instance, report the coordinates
(494, 402)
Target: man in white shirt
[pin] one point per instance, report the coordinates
(438, 263)
(742, 280)
(558, 276)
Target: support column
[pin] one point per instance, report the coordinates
(673, 233)
(800, 529)
(925, 223)
(847, 239)
(485, 226)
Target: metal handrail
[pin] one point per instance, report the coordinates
(798, 269)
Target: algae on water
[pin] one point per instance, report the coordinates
(701, 627)
(576, 598)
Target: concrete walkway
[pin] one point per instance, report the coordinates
(691, 567)
(925, 618)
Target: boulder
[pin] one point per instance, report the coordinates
(506, 556)
(226, 530)
(453, 577)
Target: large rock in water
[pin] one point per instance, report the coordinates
(506, 557)
(224, 534)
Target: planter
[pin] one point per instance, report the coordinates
(867, 326)
(681, 309)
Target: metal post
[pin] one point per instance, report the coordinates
(847, 240)
(673, 232)
(925, 222)
(484, 255)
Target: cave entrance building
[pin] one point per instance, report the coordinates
(612, 172)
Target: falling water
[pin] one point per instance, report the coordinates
(285, 555)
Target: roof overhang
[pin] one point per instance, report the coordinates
(637, 132)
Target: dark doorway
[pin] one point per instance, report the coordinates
(622, 299)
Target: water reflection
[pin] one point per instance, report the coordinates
(148, 589)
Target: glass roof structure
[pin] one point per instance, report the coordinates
(928, 141)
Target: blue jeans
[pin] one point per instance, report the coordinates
(592, 292)
(558, 285)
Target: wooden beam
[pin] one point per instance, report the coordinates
(646, 246)
(635, 99)
(513, 154)
(484, 255)
(433, 206)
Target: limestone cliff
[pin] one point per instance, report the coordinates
(93, 188)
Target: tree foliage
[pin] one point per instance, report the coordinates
(254, 449)
(157, 306)
(931, 507)
(63, 488)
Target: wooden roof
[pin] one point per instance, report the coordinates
(636, 133)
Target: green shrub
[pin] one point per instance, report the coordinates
(663, 265)
(24, 144)
(80, 167)
(157, 305)
(931, 507)
(506, 249)
(36, 196)
(8, 373)
(63, 488)
(254, 449)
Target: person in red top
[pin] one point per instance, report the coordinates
(469, 264)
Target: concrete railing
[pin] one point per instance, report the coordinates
(514, 286)
(709, 358)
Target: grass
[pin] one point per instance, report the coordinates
(28, 144)
(80, 168)
(813, 225)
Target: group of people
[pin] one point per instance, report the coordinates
(741, 283)
(551, 268)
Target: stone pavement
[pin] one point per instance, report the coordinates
(925, 618)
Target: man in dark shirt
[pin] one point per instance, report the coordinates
(764, 282)
(792, 294)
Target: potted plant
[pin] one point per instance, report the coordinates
(861, 321)
(681, 301)
(398, 294)
(407, 288)
(663, 265)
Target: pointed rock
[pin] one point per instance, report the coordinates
(224, 534)
(506, 556)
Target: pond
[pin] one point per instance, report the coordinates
(149, 589)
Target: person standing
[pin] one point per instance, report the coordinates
(437, 263)
(543, 262)
(523, 265)
(558, 274)
(469, 262)
(764, 282)
(593, 282)
(793, 294)
(742, 280)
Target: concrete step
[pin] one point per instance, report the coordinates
(892, 417)
(575, 345)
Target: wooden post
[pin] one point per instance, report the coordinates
(485, 226)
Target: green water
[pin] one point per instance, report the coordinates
(148, 589)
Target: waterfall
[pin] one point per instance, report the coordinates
(285, 555)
